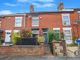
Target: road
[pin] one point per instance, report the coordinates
(39, 58)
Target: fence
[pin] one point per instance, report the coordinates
(59, 48)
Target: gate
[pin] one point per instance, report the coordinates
(58, 48)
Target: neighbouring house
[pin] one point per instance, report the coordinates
(65, 21)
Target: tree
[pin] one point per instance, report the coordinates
(51, 36)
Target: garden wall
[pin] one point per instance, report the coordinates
(23, 50)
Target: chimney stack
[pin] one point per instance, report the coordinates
(31, 8)
(60, 6)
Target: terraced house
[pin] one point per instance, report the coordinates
(65, 20)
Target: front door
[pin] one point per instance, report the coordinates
(8, 36)
(45, 32)
(46, 37)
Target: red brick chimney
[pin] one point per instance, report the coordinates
(60, 6)
(31, 8)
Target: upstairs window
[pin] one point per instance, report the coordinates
(18, 21)
(35, 21)
(66, 19)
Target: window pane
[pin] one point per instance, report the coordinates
(18, 21)
(35, 21)
(67, 35)
(66, 19)
(35, 31)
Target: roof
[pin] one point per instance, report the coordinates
(50, 12)
(12, 14)
(63, 11)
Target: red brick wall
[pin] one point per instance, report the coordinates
(75, 28)
(8, 23)
(46, 20)
(22, 50)
(49, 20)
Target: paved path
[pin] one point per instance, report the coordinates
(71, 50)
(39, 58)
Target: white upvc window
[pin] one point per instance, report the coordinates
(18, 21)
(35, 31)
(35, 21)
(67, 33)
(66, 19)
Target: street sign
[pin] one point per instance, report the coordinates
(78, 41)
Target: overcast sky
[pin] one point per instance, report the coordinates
(20, 6)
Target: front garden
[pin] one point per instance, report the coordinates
(25, 37)
(25, 44)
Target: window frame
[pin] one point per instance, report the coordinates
(67, 21)
(68, 34)
(35, 21)
(18, 23)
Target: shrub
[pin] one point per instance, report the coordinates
(1, 38)
(25, 33)
(40, 38)
(15, 37)
(18, 36)
(51, 36)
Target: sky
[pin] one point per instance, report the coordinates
(22, 6)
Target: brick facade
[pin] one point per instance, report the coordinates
(48, 20)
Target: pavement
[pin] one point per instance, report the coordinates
(70, 51)
(39, 58)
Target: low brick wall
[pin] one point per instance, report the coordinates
(23, 50)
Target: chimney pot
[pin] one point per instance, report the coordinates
(60, 6)
(31, 8)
